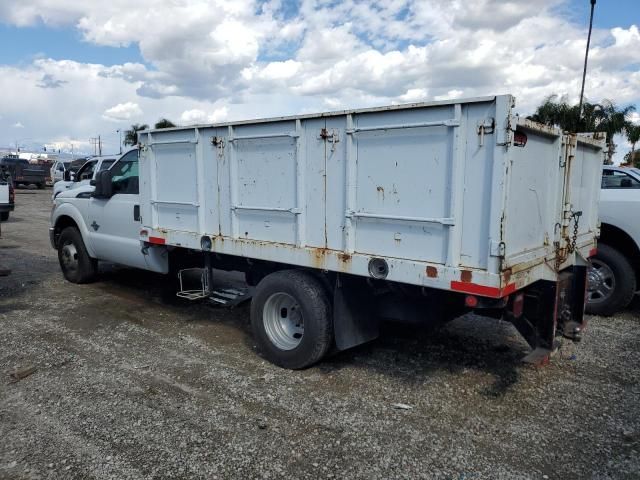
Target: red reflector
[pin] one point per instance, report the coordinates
(471, 301)
(518, 305)
(157, 240)
(482, 290)
(519, 139)
(593, 252)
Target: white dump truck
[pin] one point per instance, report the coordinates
(417, 212)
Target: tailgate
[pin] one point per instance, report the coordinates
(553, 184)
(33, 171)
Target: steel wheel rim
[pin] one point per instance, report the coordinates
(69, 257)
(283, 321)
(601, 282)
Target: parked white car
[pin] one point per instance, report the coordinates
(84, 176)
(57, 171)
(613, 276)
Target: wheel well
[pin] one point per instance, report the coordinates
(62, 223)
(621, 241)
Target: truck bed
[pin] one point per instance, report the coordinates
(432, 194)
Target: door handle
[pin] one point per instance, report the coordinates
(136, 213)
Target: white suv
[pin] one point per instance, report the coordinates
(86, 173)
(615, 269)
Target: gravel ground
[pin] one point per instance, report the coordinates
(128, 385)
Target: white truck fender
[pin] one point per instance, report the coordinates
(71, 211)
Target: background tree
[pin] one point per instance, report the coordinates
(603, 117)
(164, 123)
(131, 135)
(633, 136)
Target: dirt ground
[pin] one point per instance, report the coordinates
(130, 385)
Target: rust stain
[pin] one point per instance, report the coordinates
(432, 272)
(506, 275)
(344, 257)
(318, 257)
(465, 276)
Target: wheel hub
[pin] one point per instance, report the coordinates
(69, 257)
(601, 282)
(283, 321)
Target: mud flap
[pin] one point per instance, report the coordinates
(552, 309)
(354, 319)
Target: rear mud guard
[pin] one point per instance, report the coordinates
(354, 319)
(552, 309)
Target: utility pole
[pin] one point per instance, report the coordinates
(97, 145)
(120, 139)
(586, 57)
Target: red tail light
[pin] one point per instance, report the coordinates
(519, 139)
(471, 301)
(12, 194)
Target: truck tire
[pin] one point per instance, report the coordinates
(4, 216)
(76, 264)
(291, 319)
(611, 282)
(40, 186)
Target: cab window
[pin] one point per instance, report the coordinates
(617, 179)
(86, 172)
(124, 174)
(106, 164)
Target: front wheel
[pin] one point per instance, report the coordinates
(611, 282)
(291, 319)
(4, 216)
(76, 264)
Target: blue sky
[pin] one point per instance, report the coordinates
(59, 43)
(608, 13)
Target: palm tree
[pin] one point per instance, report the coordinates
(131, 135)
(633, 137)
(596, 117)
(165, 123)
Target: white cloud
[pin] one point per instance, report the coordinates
(197, 116)
(18, 125)
(123, 111)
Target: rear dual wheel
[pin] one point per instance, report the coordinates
(291, 319)
(611, 282)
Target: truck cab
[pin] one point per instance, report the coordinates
(615, 269)
(87, 227)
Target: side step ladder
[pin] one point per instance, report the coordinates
(224, 297)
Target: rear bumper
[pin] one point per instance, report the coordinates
(551, 309)
(7, 207)
(29, 179)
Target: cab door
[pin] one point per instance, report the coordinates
(620, 193)
(114, 223)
